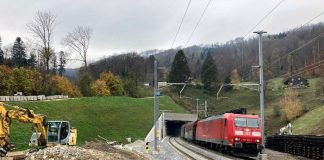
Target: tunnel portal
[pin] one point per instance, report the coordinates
(173, 128)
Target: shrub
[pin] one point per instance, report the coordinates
(6, 80)
(99, 88)
(61, 85)
(291, 105)
(113, 83)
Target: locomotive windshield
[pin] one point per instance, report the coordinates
(246, 122)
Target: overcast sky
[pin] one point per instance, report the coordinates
(139, 25)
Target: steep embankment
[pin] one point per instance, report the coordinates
(114, 118)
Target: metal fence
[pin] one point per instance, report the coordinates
(300, 145)
(31, 98)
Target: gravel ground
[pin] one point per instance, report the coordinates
(91, 150)
(275, 155)
(166, 151)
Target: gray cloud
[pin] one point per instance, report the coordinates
(129, 25)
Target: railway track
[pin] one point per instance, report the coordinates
(194, 152)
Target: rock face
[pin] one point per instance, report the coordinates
(95, 151)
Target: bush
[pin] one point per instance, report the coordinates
(130, 88)
(28, 81)
(61, 85)
(99, 88)
(113, 83)
(6, 80)
(291, 105)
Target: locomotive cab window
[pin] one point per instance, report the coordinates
(240, 122)
(246, 122)
(252, 122)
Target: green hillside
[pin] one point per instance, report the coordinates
(114, 118)
(310, 123)
(243, 97)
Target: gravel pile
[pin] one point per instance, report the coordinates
(65, 153)
(95, 151)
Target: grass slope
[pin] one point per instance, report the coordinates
(310, 123)
(114, 118)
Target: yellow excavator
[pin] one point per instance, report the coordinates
(46, 133)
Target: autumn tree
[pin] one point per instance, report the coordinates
(42, 28)
(18, 53)
(78, 41)
(113, 83)
(61, 85)
(180, 71)
(23, 80)
(6, 80)
(235, 77)
(209, 73)
(99, 88)
(291, 105)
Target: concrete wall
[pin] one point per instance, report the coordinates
(168, 117)
(31, 98)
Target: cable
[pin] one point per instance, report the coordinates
(306, 67)
(264, 17)
(291, 52)
(200, 18)
(180, 24)
(313, 19)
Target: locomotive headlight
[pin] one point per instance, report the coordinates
(237, 139)
(239, 133)
(257, 141)
(256, 134)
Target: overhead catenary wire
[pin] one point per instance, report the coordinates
(184, 15)
(199, 20)
(300, 47)
(310, 21)
(259, 22)
(263, 18)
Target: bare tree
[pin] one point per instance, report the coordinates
(42, 27)
(78, 41)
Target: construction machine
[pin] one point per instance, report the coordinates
(46, 133)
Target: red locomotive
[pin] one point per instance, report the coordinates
(227, 132)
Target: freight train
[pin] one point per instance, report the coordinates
(228, 132)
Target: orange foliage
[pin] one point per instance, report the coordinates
(99, 88)
(291, 105)
(113, 83)
(61, 85)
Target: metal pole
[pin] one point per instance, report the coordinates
(261, 83)
(197, 106)
(155, 105)
(206, 108)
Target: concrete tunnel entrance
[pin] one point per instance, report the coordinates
(169, 124)
(173, 128)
